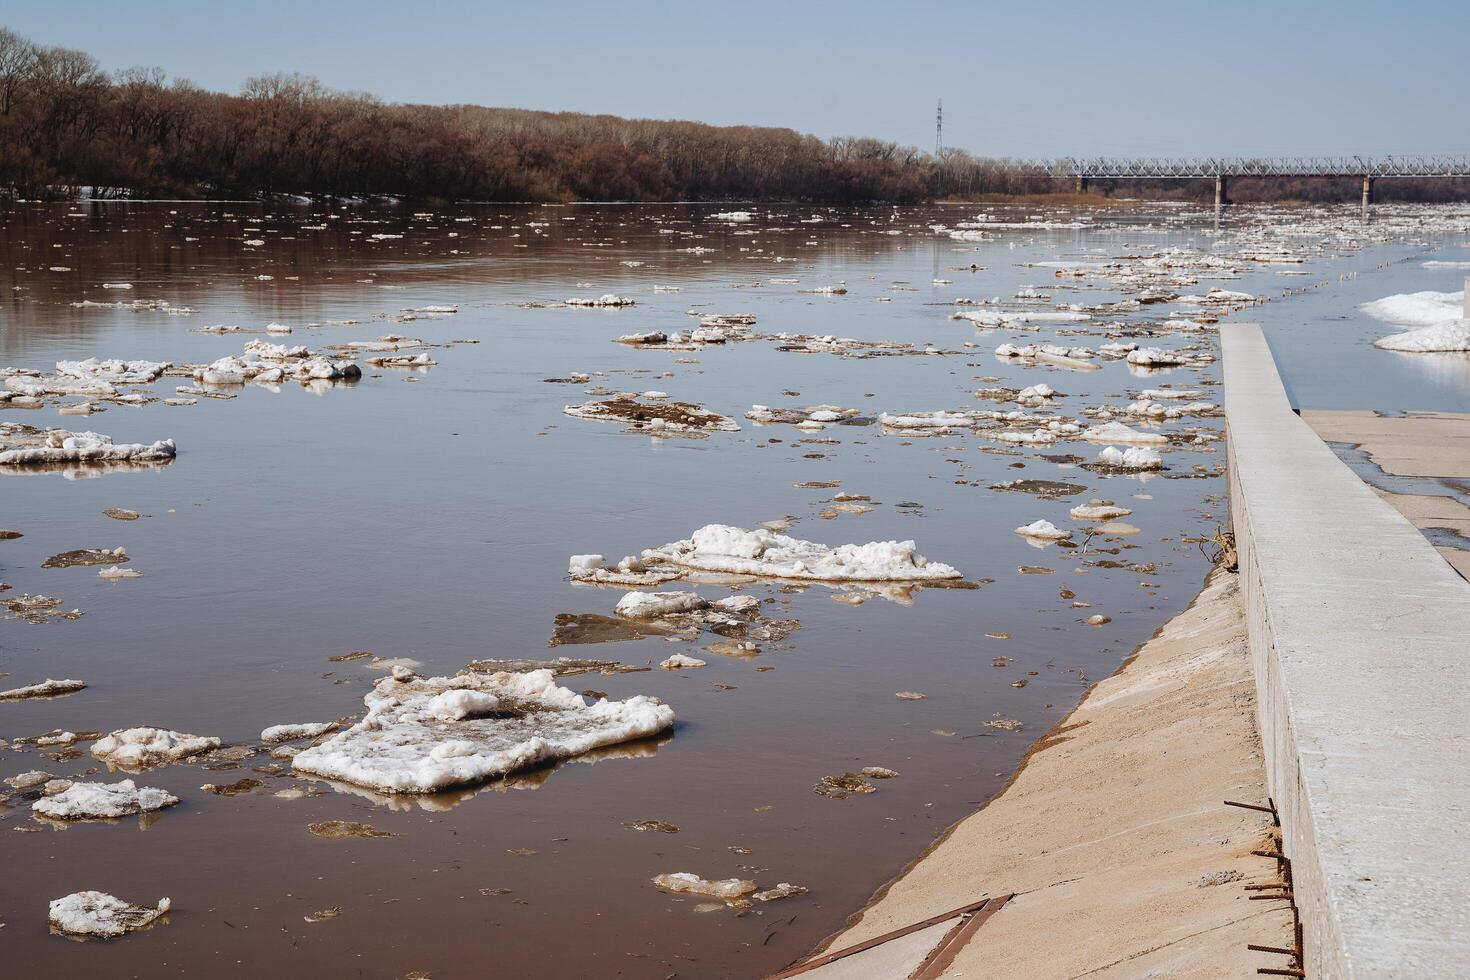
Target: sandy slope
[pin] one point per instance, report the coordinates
(1109, 833)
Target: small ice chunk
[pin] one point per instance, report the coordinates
(28, 779)
(1043, 529)
(645, 605)
(45, 689)
(101, 915)
(287, 733)
(142, 748)
(103, 801)
(680, 661)
(1135, 458)
(1098, 510)
(685, 883)
(1118, 432)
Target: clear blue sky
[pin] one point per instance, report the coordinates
(1018, 79)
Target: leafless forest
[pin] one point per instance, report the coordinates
(65, 123)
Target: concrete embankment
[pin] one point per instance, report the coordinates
(1113, 835)
(1360, 638)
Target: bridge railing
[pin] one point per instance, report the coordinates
(1160, 167)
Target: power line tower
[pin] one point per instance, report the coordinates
(939, 130)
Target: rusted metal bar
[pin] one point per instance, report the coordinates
(1272, 949)
(1272, 854)
(940, 958)
(1289, 971)
(1266, 898)
(1252, 806)
(840, 954)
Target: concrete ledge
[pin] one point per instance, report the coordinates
(1360, 637)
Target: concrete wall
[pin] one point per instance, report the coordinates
(1360, 634)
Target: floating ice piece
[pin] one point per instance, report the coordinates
(722, 548)
(46, 689)
(402, 360)
(1424, 309)
(144, 748)
(28, 779)
(1043, 529)
(628, 571)
(1118, 432)
(1135, 458)
(929, 420)
(100, 915)
(732, 216)
(783, 890)
(1155, 357)
(645, 605)
(26, 446)
(660, 417)
(685, 883)
(288, 733)
(1098, 510)
(401, 746)
(606, 299)
(103, 801)
(113, 371)
(1451, 335)
(995, 318)
(115, 572)
(680, 661)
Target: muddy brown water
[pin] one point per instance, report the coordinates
(432, 519)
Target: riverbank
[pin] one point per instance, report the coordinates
(1113, 835)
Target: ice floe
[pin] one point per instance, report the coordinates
(24, 445)
(1134, 458)
(287, 733)
(403, 744)
(102, 801)
(46, 689)
(99, 915)
(653, 415)
(1423, 309)
(1451, 335)
(144, 748)
(1118, 432)
(723, 548)
(1043, 530)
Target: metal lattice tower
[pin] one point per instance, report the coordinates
(939, 129)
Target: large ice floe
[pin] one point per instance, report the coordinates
(25, 445)
(1439, 318)
(103, 801)
(144, 748)
(1133, 458)
(1450, 336)
(1423, 309)
(733, 550)
(425, 734)
(100, 915)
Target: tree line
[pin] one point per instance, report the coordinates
(66, 123)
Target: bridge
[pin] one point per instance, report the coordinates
(1224, 168)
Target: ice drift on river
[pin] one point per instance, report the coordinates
(1417, 309)
(140, 748)
(61, 446)
(102, 801)
(101, 915)
(722, 548)
(425, 734)
(1451, 335)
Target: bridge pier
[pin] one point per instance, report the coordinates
(1222, 190)
(1367, 191)
(1081, 186)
